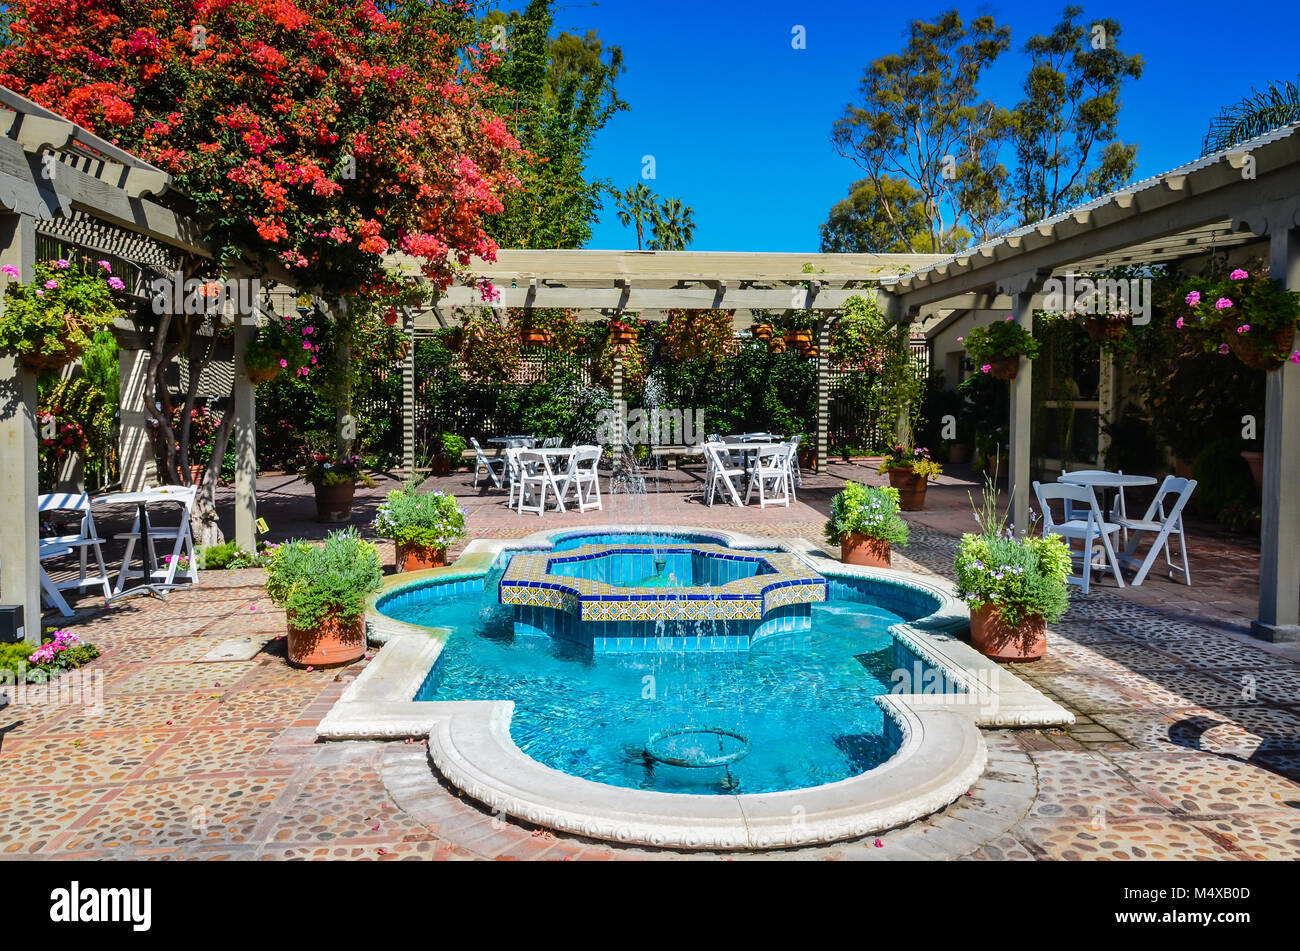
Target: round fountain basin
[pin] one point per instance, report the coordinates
(698, 747)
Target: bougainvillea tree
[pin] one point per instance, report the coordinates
(312, 136)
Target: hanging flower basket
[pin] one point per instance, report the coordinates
(259, 375)
(390, 316)
(801, 340)
(622, 336)
(776, 345)
(1106, 329)
(535, 338)
(763, 331)
(1004, 368)
(40, 362)
(1253, 350)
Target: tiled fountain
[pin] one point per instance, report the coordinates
(648, 597)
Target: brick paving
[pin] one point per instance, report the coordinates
(1187, 743)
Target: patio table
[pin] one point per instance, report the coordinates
(148, 564)
(1103, 482)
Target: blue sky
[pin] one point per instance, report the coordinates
(739, 122)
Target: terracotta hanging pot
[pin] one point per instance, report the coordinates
(859, 549)
(911, 489)
(622, 337)
(1106, 329)
(1004, 368)
(535, 338)
(994, 639)
(1256, 462)
(331, 644)
(763, 331)
(419, 557)
(1248, 349)
(259, 375)
(334, 502)
(801, 340)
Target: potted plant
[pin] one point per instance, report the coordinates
(1014, 587)
(335, 483)
(447, 453)
(699, 334)
(263, 361)
(799, 330)
(909, 472)
(997, 348)
(323, 590)
(1106, 328)
(51, 321)
(421, 524)
(623, 332)
(865, 523)
(1249, 315)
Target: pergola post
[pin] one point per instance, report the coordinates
(245, 435)
(134, 450)
(408, 400)
(823, 395)
(1019, 476)
(616, 392)
(19, 565)
(1279, 568)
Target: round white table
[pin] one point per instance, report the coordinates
(1106, 481)
(148, 566)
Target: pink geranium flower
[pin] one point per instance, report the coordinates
(1223, 348)
(116, 283)
(1244, 329)
(1295, 357)
(284, 363)
(1179, 324)
(1222, 303)
(1239, 275)
(10, 270)
(1193, 298)
(986, 368)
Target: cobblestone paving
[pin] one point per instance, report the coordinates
(1187, 744)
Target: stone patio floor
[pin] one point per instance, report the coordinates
(1187, 743)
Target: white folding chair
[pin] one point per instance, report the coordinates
(771, 468)
(495, 468)
(1118, 508)
(584, 475)
(719, 469)
(179, 535)
(536, 478)
(513, 471)
(796, 474)
(84, 542)
(1163, 524)
(552, 442)
(1089, 529)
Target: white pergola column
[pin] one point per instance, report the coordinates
(1279, 549)
(823, 394)
(134, 450)
(408, 400)
(244, 433)
(616, 392)
(1019, 476)
(19, 531)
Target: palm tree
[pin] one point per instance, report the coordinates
(637, 204)
(673, 225)
(1258, 113)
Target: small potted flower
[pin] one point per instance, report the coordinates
(865, 523)
(49, 323)
(323, 590)
(447, 453)
(335, 482)
(1013, 586)
(997, 348)
(910, 471)
(799, 331)
(1249, 315)
(422, 525)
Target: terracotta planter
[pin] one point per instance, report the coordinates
(419, 557)
(911, 489)
(807, 458)
(859, 549)
(801, 340)
(332, 644)
(959, 454)
(260, 375)
(440, 466)
(1103, 329)
(334, 502)
(1247, 348)
(763, 331)
(196, 474)
(1004, 368)
(40, 362)
(992, 638)
(622, 338)
(1256, 462)
(535, 338)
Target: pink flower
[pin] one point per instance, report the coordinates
(1223, 348)
(1244, 329)
(39, 292)
(116, 283)
(62, 264)
(284, 363)
(1295, 357)
(1238, 275)
(10, 270)
(1179, 324)
(960, 339)
(986, 368)
(105, 265)
(51, 284)
(1011, 317)
(1193, 298)
(306, 345)
(1222, 303)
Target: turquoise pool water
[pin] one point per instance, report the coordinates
(804, 701)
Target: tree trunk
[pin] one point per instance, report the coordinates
(345, 426)
(203, 517)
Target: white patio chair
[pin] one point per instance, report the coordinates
(771, 470)
(552, 442)
(495, 468)
(536, 478)
(84, 542)
(513, 472)
(1090, 529)
(718, 468)
(179, 535)
(1118, 507)
(1163, 524)
(584, 476)
(796, 473)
